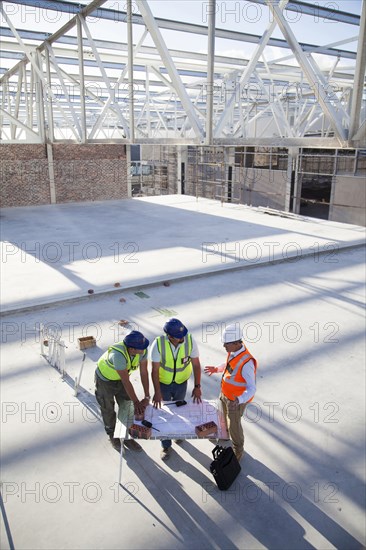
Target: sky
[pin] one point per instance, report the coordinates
(238, 15)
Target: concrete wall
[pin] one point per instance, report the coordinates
(262, 187)
(348, 202)
(88, 172)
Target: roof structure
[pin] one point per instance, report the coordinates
(113, 72)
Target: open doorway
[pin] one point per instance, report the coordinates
(315, 195)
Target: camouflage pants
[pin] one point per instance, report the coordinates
(107, 394)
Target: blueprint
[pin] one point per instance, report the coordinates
(172, 422)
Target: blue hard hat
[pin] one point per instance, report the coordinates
(175, 328)
(136, 339)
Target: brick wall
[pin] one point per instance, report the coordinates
(23, 175)
(88, 172)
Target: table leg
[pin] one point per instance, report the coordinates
(121, 461)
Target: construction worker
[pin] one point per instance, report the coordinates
(112, 382)
(173, 356)
(238, 384)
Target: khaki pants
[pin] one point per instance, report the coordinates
(233, 421)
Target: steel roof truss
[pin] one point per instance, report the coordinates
(119, 81)
(106, 80)
(227, 112)
(79, 29)
(286, 128)
(325, 82)
(359, 77)
(88, 93)
(168, 62)
(38, 81)
(310, 74)
(70, 105)
(20, 124)
(170, 86)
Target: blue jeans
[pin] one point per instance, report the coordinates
(172, 392)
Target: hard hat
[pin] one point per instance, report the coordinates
(232, 333)
(175, 328)
(136, 339)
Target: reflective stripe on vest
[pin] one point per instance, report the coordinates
(106, 368)
(173, 369)
(233, 384)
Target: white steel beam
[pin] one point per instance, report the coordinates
(158, 114)
(359, 82)
(247, 74)
(169, 64)
(315, 11)
(170, 86)
(130, 71)
(66, 93)
(17, 102)
(147, 103)
(20, 124)
(282, 115)
(325, 83)
(210, 71)
(107, 82)
(38, 78)
(361, 133)
(49, 101)
(107, 104)
(82, 80)
(313, 81)
(39, 96)
(315, 50)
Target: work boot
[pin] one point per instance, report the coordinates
(132, 445)
(165, 453)
(115, 442)
(178, 441)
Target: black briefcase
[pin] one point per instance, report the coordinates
(224, 467)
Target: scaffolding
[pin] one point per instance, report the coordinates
(156, 171)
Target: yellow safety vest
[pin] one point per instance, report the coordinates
(174, 369)
(106, 366)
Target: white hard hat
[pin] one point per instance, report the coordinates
(232, 333)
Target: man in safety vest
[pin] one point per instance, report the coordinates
(112, 382)
(173, 357)
(238, 384)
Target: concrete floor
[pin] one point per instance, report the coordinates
(295, 284)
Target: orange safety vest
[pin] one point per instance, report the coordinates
(233, 384)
